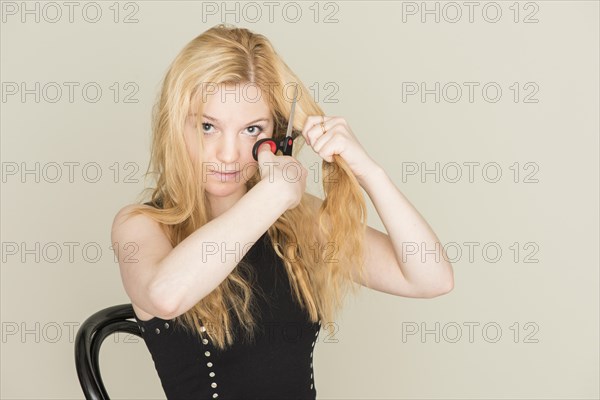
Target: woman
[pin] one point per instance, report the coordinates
(231, 276)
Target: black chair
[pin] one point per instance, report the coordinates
(89, 338)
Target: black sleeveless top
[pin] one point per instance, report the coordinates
(277, 364)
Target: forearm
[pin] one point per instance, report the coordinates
(408, 230)
(197, 265)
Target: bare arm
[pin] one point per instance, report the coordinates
(166, 282)
(197, 265)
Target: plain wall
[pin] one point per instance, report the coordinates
(521, 226)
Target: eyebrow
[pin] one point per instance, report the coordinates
(251, 122)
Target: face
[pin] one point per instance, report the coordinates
(232, 119)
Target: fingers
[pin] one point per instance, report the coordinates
(264, 146)
(312, 129)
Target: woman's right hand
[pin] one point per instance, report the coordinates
(285, 172)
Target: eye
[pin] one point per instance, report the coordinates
(257, 130)
(254, 130)
(204, 125)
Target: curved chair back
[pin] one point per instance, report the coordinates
(89, 339)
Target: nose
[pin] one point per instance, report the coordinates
(229, 149)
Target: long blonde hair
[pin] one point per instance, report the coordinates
(227, 54)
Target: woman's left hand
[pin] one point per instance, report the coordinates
(338, 139)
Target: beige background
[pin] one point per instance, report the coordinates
(547, 310)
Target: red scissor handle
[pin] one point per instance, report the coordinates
(285, 146)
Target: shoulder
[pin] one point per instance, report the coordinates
(127, 214)
(128, 220)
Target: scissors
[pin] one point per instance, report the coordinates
(286, 143)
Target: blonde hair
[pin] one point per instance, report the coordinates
(227, 54)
